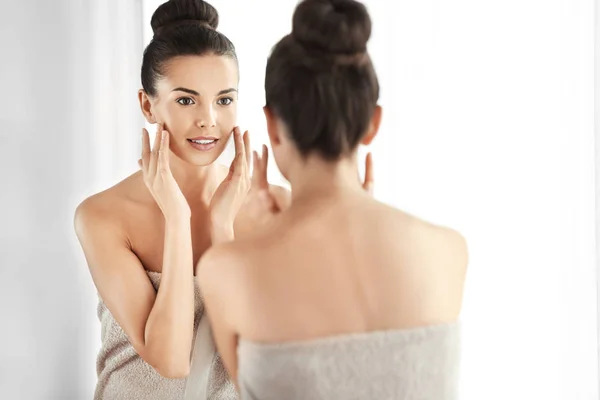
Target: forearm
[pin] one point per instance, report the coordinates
(170, 326)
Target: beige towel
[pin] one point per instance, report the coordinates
(411, 364)
(200, 385)
(122, 374)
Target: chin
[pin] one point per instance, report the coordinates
(201, 161)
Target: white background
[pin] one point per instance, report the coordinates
(488, 128)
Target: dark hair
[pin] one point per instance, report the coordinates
(182, 28)
(320, 80)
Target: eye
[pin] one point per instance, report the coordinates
(185, 101)
(225, 101)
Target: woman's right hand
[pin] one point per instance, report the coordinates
(158, 177)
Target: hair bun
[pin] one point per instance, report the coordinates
(179, 12)
(333, 26)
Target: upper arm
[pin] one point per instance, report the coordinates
(458, 251)
(217, 280)
(454, 258)
(117, 273)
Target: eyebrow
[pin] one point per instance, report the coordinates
(193, 92)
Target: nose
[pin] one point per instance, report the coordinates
(207, 117)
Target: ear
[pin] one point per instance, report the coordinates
(146, 106)
(373, 126)
(272, 127)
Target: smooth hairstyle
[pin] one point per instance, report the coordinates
(182, 28)
(320, 81)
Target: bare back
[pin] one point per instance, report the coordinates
(347, 265)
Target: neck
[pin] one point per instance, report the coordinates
(317, 179)
(197, 183)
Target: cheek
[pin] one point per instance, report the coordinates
(227, 119)
(161, 113)
(175, 119)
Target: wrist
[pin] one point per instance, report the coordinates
(178, 222)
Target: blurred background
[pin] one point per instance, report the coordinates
(488, 128)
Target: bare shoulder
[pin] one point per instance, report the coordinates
(94, 212)
(453, 245)
(223, 264)
(231, 268)
(223, 275)
(102, 211)
(443, 245)
(448, 244)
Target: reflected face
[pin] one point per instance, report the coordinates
(196, 100)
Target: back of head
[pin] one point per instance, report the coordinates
(182, 28)
(320, 80)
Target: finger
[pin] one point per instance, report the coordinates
(263, 182)
(256, 169)
(239, 161)
(145, 150)
(369, 180)
(163, 153)
(237, 141)
(157, 137)
(247, 148)
(154, 154)
(140, 163)
(265, 155)
(232, 168)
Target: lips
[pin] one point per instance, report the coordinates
(203, 143)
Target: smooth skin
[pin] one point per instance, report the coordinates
(335, 262)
